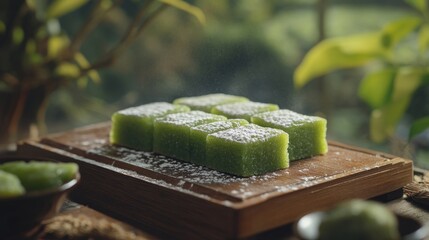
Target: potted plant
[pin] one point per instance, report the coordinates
(37, 57)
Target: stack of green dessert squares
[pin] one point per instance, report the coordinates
(214, 131)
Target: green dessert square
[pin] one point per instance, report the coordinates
(171, 133)
(205, 103)
(307, 134)
(248, 150)
(133, 127)
(198, 136)
(244, 110)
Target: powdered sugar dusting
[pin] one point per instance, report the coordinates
(245, 108)
(219, 126)
(247, 134)
(189, 118)
(155, 109)
(285, 118)
(209, 100)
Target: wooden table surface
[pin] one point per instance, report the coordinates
(72, 210)
(92, 223)
(83, 222)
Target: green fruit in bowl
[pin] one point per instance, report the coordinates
(36, 175)
(10, 186)
(359, 219)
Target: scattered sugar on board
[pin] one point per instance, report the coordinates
(184, 171)
(194, 174)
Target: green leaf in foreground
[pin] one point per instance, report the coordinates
(384, 119)
(423, 38)
(376, 88)
(337, 53)
(418, 126)
(420, 5)
(395, 31)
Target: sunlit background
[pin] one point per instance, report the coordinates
(246, 47)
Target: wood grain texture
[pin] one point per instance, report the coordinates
(189, 201)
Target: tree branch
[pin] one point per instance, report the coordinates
(134, 30)
(94, 18)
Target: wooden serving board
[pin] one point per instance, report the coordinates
(188, 201)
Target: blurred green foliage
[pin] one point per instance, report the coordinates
(37, 57)
(388, 90)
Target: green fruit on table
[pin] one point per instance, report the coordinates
(10, 186)
(36, 175)
(360, 220)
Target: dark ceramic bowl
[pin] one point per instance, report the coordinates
(20, 216)
(307, 227)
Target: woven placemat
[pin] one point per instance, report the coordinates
(82, 223)
(418, 190)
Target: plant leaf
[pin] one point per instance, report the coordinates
(82, 82)
(68, 70)
(337, 53)
(31, 4)
(17, 35)
(2, 27)
(395, 31)
(61, 7)
(384, 119)
(418, 126)
(106, 4)
(420, 5)
(39, 6)
(31, 46)
(423, 38)
(376, 88)
(33, 59)
(184, 6)
(84, 63)
(56, 44)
